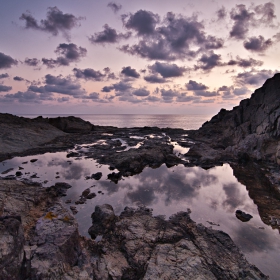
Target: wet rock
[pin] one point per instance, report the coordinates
(242, 216)
(74, 209)
(18, 173)
(25, 162)
(147, 247)
(71, 124)
(34, 176)
(103, 220)
(72, 154)
(82, 200)
(115, 177)
(7, 171)
(96, 176)
(20, 168)
(59, 189)
(12, 247)
(86, 192)
(91, 195)
(33, 160)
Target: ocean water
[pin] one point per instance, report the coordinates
(126, 120)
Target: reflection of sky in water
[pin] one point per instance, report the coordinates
(212, 195)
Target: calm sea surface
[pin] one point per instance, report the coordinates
(162, 121)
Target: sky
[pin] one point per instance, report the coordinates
(134, 57)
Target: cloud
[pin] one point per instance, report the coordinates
(167, 70)
(89, 74)
(183, 97)
(241, 91)
(107, 89)
(193, 85)
(253, 77)
(32, 62)
(141, 92)
(95, 97)
(17, 78)
(176, 37)
(55, 22)
(244, 63)
(257, 44)
(205, 93)
(114, 6)
(63, 99)
(58, 84)
(208, 61)
(108, 35)
(129, 72)
(252, 17)
(4, 75)
(143, 22)
(168, 95)
(4, 88)
(67, 53)
(28, 97)
(221, 13)
(152, 98)
(6, 61)
(154, 79)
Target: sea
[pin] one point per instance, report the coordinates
(189, 121)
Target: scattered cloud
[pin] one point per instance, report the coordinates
(108, 35)
(32, 62)
(89, 74)
(208, 61)
(55, 22)
(4, 75)
(67, 53)
(254, 77)
(130, 72)
(4, 88)
(141, 92)
(154, 79)
(257, 44)
(221, 13)
(193, 85)
(6, 61)
(114, 6)
(19, 79)
(167, 70)
(244, 63)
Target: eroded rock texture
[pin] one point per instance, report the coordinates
(137, 245)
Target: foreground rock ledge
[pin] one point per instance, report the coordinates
(137, 245)
(39, 239)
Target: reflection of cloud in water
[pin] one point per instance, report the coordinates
(74, 171)
(252, 239)
(109, 186)
(234, 199)
(182, 185)
(143, 195)
(58, 162)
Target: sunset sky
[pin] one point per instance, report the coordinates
(135, 57)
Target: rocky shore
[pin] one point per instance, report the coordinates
(39, 236)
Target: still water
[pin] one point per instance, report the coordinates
(212, 195)
(127, 120)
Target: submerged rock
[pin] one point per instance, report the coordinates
(137, 245)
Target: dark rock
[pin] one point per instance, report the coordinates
(72, 154)
(147, 247)
(60, 188)
(82, 200)
(34, 176)
(25, 162)
(242, 216)
(18, 173)
(96, 176)
(115, 177)
(86, 192)
(71, 124)
(91, 195)
(33, 160)
(103, 220)
(20, 168)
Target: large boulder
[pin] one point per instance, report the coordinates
(71, 124)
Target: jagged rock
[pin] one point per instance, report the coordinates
(11, 247)
(115, 177)
(86, 192)
(147, 247)
(242, 216)
(59, 189)
(71, 124)
(96, 176)
(18, 173)
(91, 195)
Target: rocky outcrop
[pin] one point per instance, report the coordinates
(71, 124)
(137, 245)
(250, 130)
(39, 237)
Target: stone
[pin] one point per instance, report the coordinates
(96, 176)
(33, 160)
(91, 195)
(86, 192)
(242, 216)
(18, 173)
